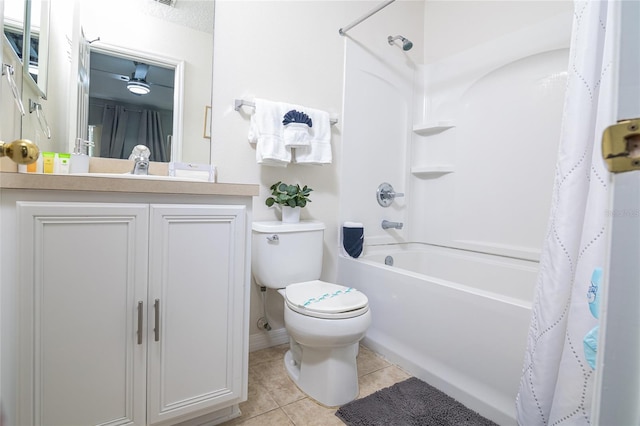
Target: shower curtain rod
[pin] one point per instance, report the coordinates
(343, 30)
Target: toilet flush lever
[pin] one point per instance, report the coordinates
(273, 238)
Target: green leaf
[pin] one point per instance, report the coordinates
(270, 201)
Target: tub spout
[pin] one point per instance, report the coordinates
(387, 224)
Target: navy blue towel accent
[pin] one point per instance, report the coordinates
(353, 240)
(294, 116)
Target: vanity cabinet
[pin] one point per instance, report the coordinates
(130, 313)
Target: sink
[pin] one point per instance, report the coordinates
(144, 177)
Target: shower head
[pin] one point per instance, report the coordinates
(406, 43)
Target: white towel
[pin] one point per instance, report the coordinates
(266, 131)
(278, 145)
(319, 149)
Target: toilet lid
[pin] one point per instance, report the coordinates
(325, 300)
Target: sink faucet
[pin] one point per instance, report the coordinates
(387, 224)
(140, 156)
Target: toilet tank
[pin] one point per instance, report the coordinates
(286, 253)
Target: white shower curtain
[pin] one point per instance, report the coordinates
(557, 383)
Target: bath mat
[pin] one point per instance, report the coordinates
(409, 403)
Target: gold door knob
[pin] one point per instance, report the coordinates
(22, 151)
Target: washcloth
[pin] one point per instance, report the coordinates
(297, 129)
(266, 131)
(353, 238)
(318, 150)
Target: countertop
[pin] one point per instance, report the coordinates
(27, 181)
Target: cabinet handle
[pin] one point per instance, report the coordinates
(156, 329)
(139, 323)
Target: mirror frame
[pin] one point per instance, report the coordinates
(43, 46)
(152, 59)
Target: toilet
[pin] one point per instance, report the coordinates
(325, 321)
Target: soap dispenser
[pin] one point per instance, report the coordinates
(80, 157)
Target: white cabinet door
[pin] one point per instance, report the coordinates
(196, 283)
(83, 268)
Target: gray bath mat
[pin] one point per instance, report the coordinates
(409, 403)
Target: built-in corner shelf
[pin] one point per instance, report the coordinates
(432, 171)
(432, 128)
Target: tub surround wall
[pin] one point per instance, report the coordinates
(436, 131)
(379, 91)
(503, 100)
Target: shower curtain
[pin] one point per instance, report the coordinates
(557, 382)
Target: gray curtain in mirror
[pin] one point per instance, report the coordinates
(151, 131)
(115, 122)
(114, 131)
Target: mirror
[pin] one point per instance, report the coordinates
(11, 20)
(131, 102)
(26, 26)
(173, 30)
(36, 45)
(14, 17)
(26, 36)
(174, 34)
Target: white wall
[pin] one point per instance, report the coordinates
(291, 51)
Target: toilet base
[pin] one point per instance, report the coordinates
(328, 375)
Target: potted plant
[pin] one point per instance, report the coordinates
(291, 197)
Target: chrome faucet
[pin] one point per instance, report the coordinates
(387, 224)
(140, 156)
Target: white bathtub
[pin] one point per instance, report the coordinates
(455, 319)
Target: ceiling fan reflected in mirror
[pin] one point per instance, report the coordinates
(137, 84)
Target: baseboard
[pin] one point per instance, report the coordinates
(266, 339)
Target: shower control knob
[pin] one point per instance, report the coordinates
(385, 194)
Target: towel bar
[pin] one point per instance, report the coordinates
(239, 103)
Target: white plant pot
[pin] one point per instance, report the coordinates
(291, 214)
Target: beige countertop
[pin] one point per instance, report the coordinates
(12, 180)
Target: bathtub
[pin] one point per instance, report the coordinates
(455, 319)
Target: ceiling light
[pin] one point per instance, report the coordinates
(138, 86)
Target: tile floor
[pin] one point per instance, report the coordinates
(274, 400)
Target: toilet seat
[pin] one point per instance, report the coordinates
(321, 299)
